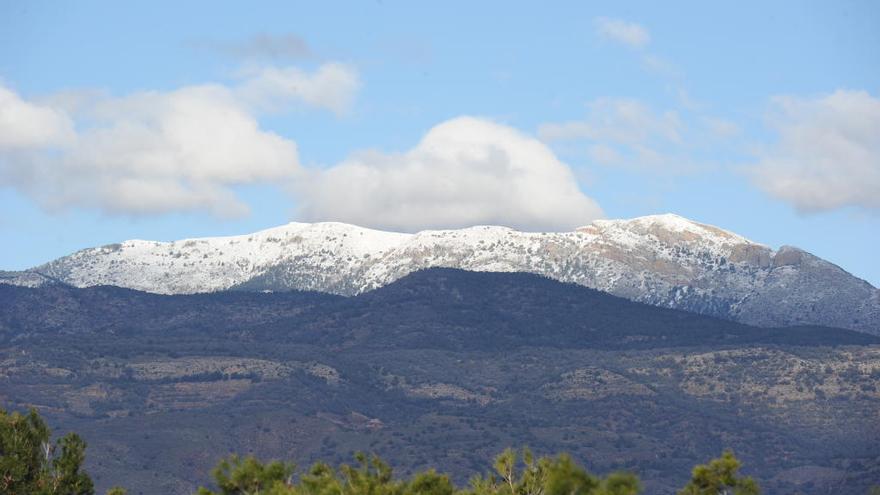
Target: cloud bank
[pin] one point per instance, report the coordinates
(161, 152)
(827, 155)
(465, 171)
(185, 150)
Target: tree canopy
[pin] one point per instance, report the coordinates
(31, 464)
(513, 474)
(719, 477)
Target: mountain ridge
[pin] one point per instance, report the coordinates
(429, 298)
(664, 260)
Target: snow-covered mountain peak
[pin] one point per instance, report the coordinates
(665, 232)
(665, 260)
(672, 223)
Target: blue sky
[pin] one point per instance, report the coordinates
(164, 120)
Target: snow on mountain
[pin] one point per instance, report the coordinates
(664, 260)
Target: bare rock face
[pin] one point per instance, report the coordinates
(664, 260)
(789, 256)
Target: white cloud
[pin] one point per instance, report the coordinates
(158, 152)
(28, 125)
(465, 171)
(333, 87)
(185, 150)
(828, 152)
(620, 31)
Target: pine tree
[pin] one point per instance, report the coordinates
(30, 464)
(719, 477)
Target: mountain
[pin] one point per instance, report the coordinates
(663, 260)
(499, 310)
(441, 368)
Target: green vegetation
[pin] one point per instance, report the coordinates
(719, 476)
(512, 476)
(30, 464)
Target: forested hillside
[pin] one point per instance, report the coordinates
(442, 369)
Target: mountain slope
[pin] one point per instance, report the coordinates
(442, 368)
(438, 308)
(664, 260)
